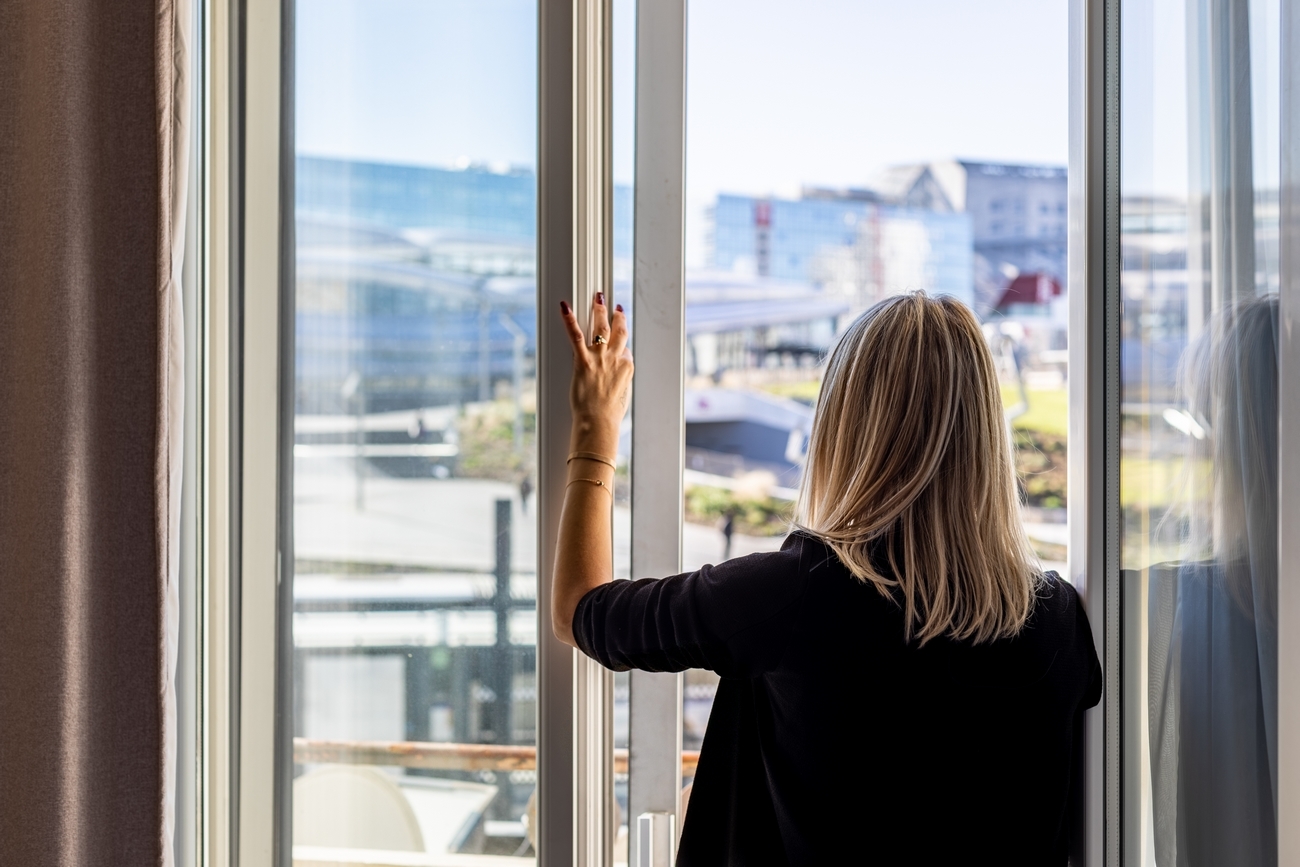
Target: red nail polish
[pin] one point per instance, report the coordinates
(600, 298)
(618, 307)
(564, 307)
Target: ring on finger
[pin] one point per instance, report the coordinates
(599, 340)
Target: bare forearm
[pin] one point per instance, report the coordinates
(598, 397)
(585, 552)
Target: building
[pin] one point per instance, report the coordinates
(1017, 213)
(417, 286)
(740, 322)
(852, 244)
(476, 203)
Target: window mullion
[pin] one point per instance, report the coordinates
(1288, 649)
(655, 724)
(575, 710)
(257, 296)
(1094, 402)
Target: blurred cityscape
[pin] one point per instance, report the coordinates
(414, 458)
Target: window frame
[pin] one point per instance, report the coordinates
(238, 483)
(1093, 403)
(248, 601)
(1288, 590)
(659, 437)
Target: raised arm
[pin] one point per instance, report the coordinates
(602, 376)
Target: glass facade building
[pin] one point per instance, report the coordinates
(867, 250)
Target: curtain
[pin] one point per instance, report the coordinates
(93, 145)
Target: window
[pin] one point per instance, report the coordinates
(433, 214)
(415, 407)
(859, 194)
(1198, 482)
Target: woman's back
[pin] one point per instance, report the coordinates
(833, 735)
(900, 682)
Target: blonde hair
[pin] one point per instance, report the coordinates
(910, 477)
(1226, 509)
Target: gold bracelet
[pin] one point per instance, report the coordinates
(597, 482)
(590, 456)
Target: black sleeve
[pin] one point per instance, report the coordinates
(734, 618)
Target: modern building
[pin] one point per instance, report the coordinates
(961, 228)
(1017, 213)
(416, 288)
(737, 322)
(490, 204)
(855, 245)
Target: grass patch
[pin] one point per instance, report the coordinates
(754, 517)
(804, 392)
(487, 443)
(1047, 410)
(1041, 467)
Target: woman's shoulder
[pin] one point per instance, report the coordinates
(800, 552)
(1056, 601)
(1059, 621)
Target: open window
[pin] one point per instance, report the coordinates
(402, 194)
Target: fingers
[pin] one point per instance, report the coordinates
(618, 331)
(574, 330)
(599, 316)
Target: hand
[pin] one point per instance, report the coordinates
(602, 378)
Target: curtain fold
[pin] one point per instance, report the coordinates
(93, 131)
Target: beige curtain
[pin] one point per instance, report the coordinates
(93, 145)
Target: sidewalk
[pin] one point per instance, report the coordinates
(446, 524)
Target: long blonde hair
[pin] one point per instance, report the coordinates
(910, 477)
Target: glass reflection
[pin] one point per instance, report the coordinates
(1199, 430)
(1213, 613)
(414, 511)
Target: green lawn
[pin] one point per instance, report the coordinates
(805, 392)
(1046, 409)
(1046, 406)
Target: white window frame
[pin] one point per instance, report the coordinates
(239, 335)
(247, 171)
(659, 423)
(575, 743)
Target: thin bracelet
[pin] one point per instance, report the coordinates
(591, 456)
(597, 482)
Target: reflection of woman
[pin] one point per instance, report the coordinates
(1213, 630)
(898, 683)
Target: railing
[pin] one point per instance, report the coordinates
(442, 757)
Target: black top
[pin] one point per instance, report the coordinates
(831, 737)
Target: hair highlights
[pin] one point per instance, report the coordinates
(910, 477)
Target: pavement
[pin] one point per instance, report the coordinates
(446, 524)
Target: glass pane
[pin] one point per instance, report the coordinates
(1199, 448)
(839, 153)
(416, 555)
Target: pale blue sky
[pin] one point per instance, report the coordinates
(781, 92)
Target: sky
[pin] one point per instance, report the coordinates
(781, 93)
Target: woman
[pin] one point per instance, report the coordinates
(899, 683)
